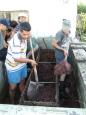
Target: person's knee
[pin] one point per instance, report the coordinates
(12, 86)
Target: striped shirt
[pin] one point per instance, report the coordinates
(16, 49)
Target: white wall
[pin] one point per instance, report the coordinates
(45, 15)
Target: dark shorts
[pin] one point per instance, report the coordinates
(59, 55)
(69, 58)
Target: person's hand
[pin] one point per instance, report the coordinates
(65, 52)
(5, 45)
(33, 63)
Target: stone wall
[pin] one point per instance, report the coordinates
(78, 53)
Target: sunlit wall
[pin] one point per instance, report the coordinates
(45, 15)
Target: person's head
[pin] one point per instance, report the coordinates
(4, 24)
(13, 24)
(66, 25)
(22, 17)
(8, 34)
(25, 30)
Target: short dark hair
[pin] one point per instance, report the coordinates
(13, 23)
(25, 26)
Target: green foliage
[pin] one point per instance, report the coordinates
(81, 8)
(81, 26)
(81, 22)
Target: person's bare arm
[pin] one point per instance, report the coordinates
(25, 60)
(55, 45)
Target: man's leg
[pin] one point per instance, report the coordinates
(23, 76)
(62, 77)
(12, 88)
(22, 85)
(13, 79)
(62, 92)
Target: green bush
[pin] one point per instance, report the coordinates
(81, 22)
(81, 26)
(81, 8)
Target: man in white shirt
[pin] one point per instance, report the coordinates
(16, 58)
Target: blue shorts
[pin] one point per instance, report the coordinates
(15, 77)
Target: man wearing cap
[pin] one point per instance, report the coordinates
(4, 24)
(16, 59)
(61, 45)
(22, 17)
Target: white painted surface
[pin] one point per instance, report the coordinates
(36, 110)
(45, 15)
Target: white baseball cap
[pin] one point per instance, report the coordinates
(66, 23)
(22, 14)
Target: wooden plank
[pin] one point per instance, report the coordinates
(40, 103)
(46, 82)
(47, 62)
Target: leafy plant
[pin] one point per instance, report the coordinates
(81, 8)
(81, 22)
